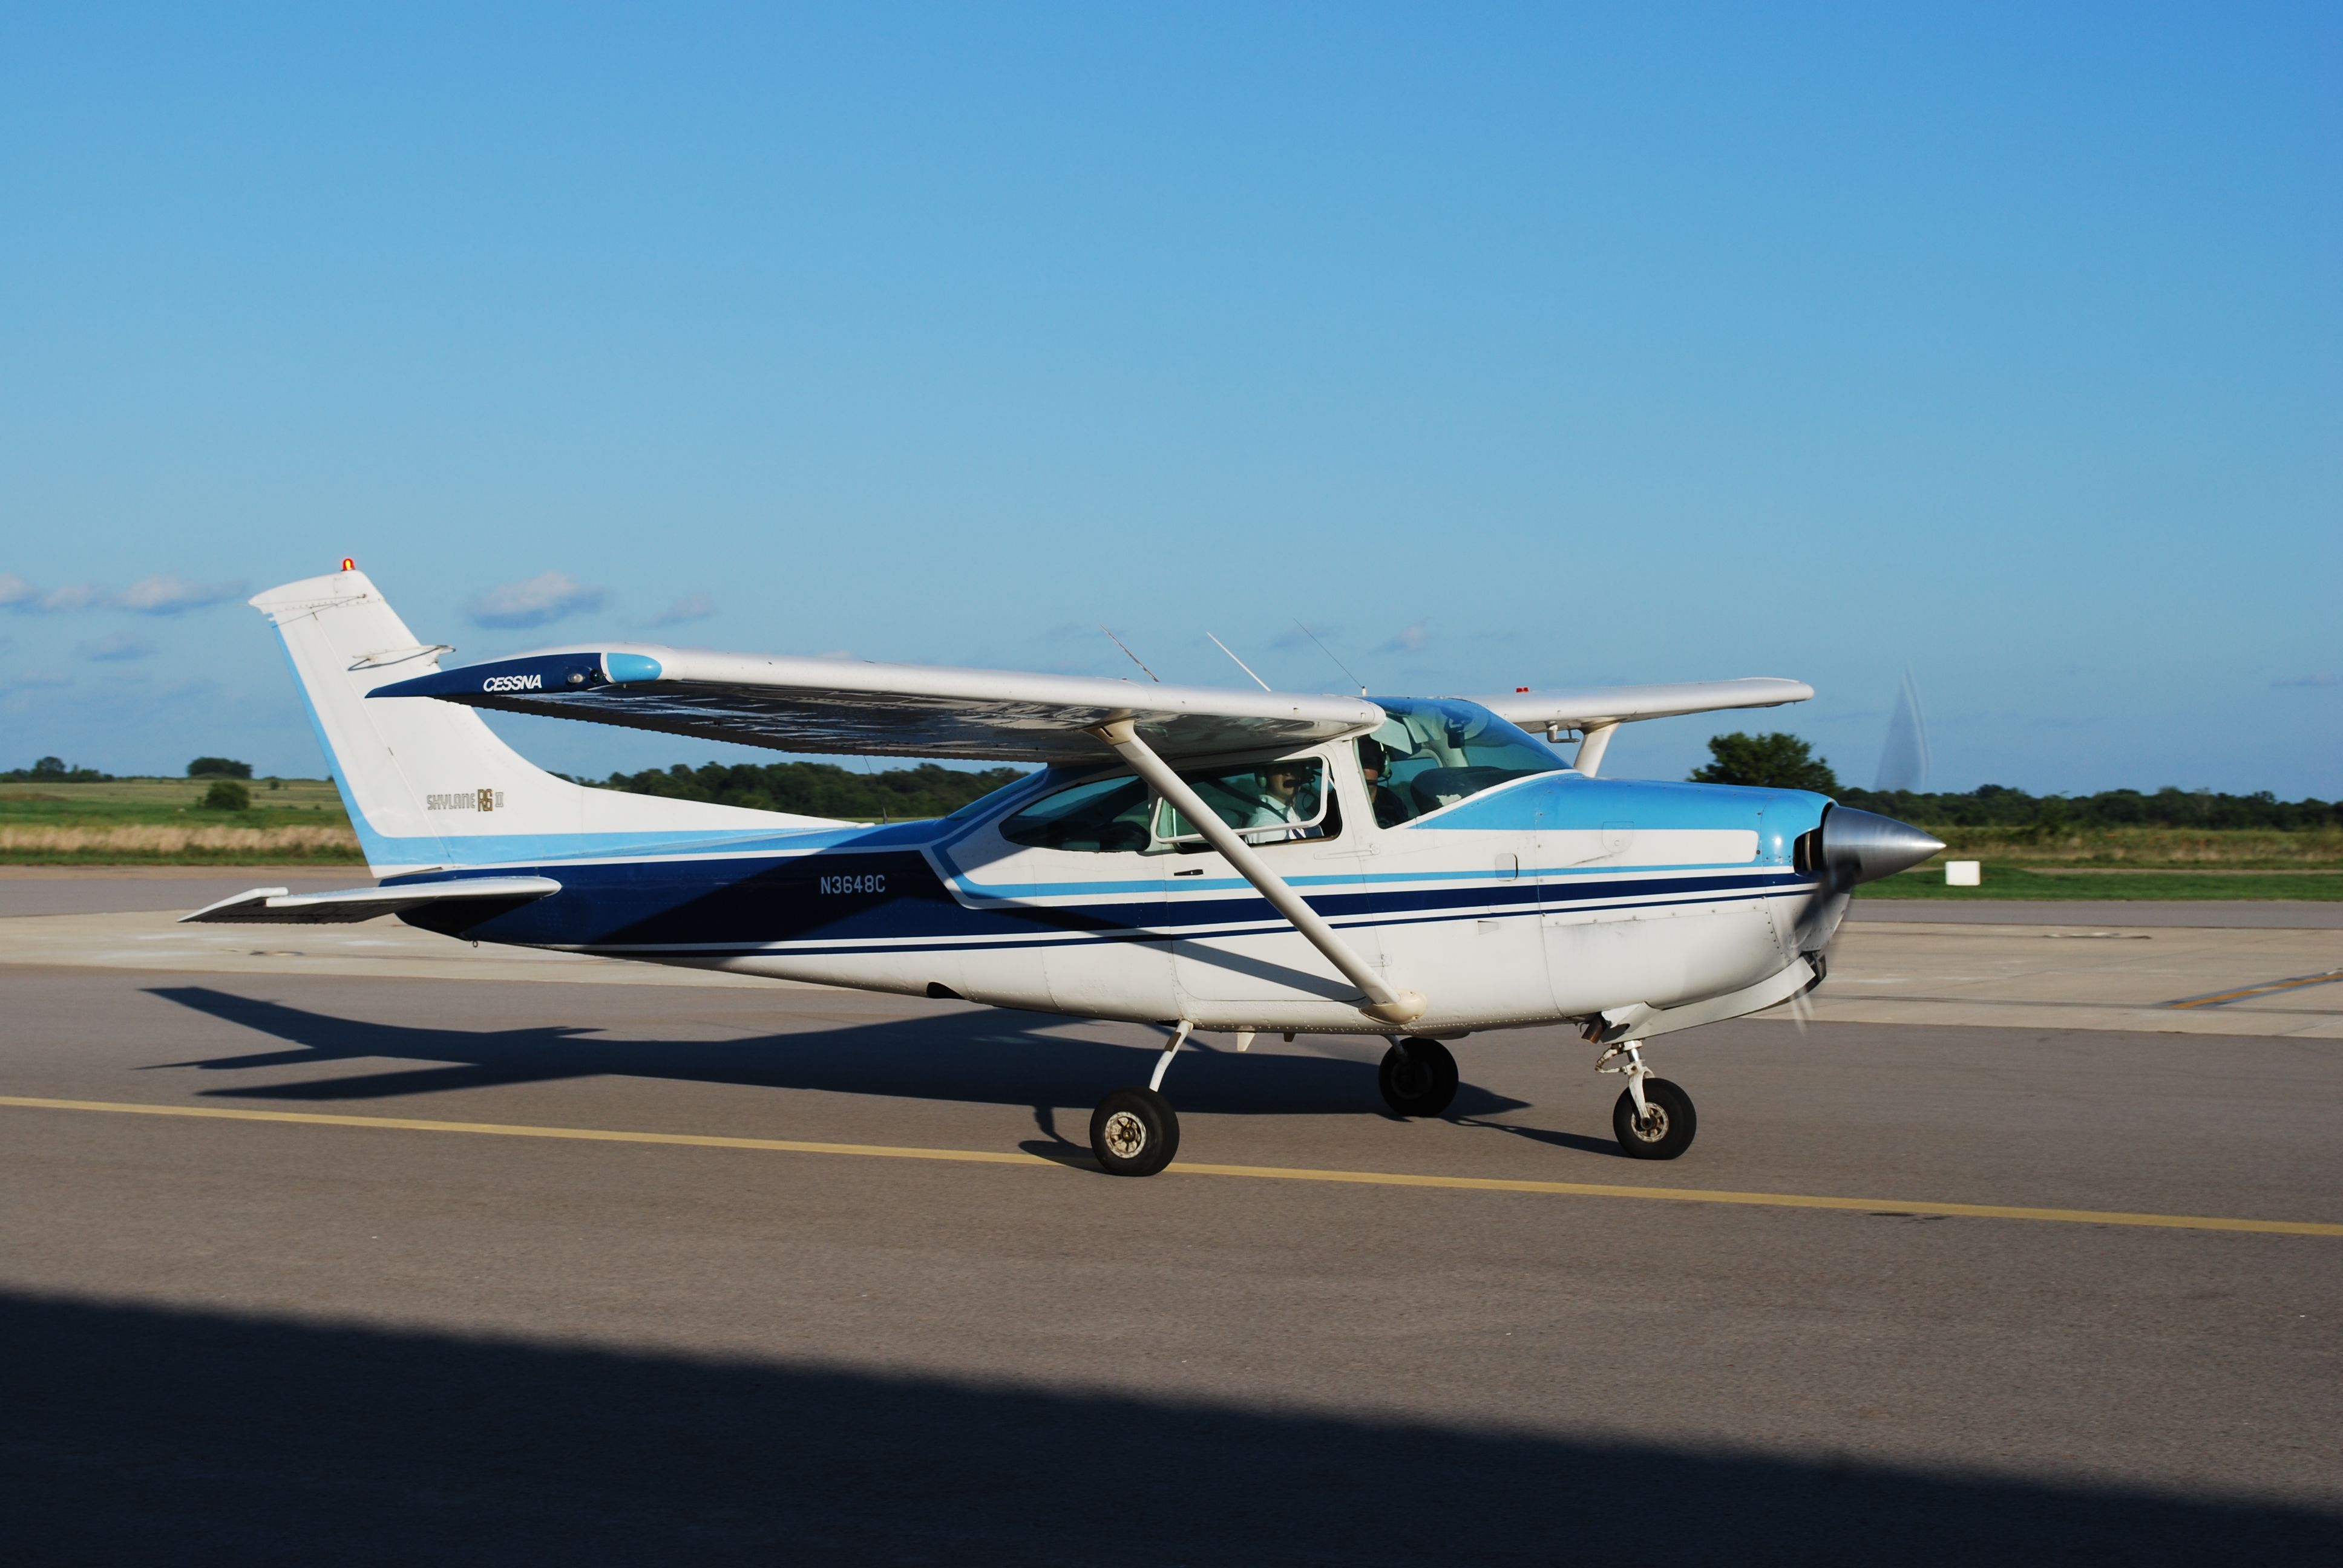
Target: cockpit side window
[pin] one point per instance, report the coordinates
(1266, 803)
(1430, 754)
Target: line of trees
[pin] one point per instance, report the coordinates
(53, 771)
(822, 788)
(1776, 761)
(1779, 761)
(1996, 806)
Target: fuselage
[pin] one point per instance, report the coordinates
(1540, 896)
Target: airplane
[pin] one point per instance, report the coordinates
(1417, 868)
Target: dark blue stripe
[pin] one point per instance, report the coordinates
(892, 894)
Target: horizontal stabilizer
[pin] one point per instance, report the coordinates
(831, 705)
(1589, 707)
(281, 906)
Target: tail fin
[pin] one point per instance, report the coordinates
(428, 785)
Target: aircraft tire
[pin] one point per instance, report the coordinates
(1418, 1077)
(1135, 1132)
(1667, 1134)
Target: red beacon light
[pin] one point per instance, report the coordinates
(349, 565)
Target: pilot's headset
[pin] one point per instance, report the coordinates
(1373, 759)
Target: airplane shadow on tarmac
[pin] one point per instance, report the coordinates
(136, 1433)
(979, 1057)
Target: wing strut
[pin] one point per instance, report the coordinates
(1597, 740)
(1386, 1005)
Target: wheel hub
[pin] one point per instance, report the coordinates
(1652, 1125)
(1126, 1134)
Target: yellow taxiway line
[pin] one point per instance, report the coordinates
(2221, 997)
(1897, 1206)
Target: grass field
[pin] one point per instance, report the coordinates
(2003, 881)
(2147, 849)
(158, 821)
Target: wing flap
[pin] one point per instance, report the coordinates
(822, 705)
(281, 906)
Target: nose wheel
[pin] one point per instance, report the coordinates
(1654, 1119)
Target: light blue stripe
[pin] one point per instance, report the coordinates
(547, 848)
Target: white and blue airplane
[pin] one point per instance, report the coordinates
(1420, 869)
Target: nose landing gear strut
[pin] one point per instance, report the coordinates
(1654, 1119)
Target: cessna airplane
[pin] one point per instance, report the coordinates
(1415, 867)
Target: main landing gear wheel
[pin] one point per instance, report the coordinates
(1664, 1130)
(1418, 1077)
(1133, 1133)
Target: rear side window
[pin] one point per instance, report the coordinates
(1102, 816)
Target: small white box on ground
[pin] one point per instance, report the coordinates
(1964, 873)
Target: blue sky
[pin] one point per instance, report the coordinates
(1502, 345)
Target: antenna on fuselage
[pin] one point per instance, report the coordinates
(1329, 652)
(870, 772)
(1241, 664)
(1133, 657)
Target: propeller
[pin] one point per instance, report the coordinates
(1851, 847)
(1903, 759)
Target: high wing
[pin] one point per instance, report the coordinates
(826, 705)
(1588, 707)
(1599, 710)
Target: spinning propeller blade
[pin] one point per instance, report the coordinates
(1903, 759)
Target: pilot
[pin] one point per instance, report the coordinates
(1390, 809)
(1281, 785)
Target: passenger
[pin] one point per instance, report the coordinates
(1390, 809)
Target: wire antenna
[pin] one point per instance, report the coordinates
(1241, 664)
(870, 771)
(1329, 652)
(1134, 657)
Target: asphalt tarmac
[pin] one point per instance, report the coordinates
(946, 1341)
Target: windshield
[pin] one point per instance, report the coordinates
(1431, 753)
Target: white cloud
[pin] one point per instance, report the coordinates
(1407, 639)
(534, 601)
(165, 595)
(64, 600)
(159, 594)
(691, 607)
(120, 649)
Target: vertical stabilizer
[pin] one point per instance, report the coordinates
(428, 785)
